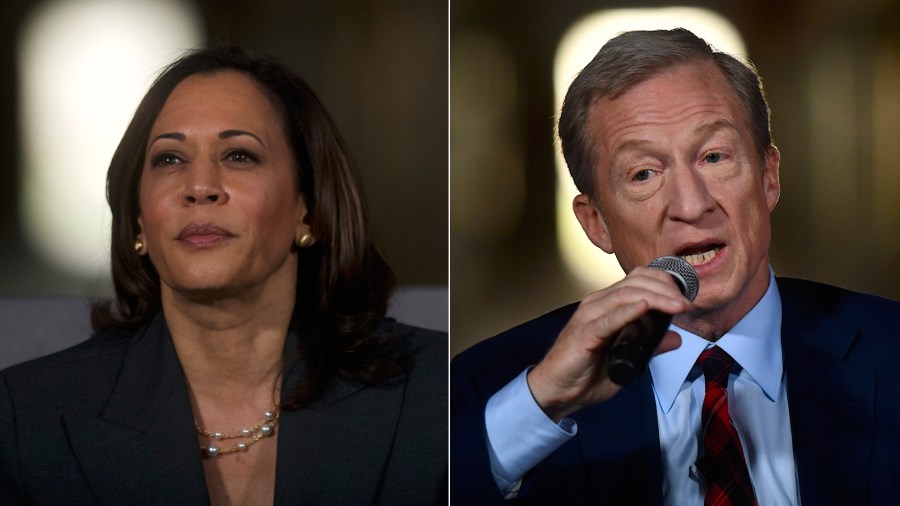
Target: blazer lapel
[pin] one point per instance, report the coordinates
(141, 446)
(332, 453)
(832, 404)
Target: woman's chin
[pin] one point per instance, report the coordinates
(204, 290)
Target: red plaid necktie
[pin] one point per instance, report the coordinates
(723, 463)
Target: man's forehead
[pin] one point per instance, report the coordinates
(669, 98)
(712, 76)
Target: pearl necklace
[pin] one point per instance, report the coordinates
(252, 434)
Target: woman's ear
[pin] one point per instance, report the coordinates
(140, 247)
(303, 236)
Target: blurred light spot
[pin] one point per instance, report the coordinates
(886, 151)
(488, 178)
(834, 189)
(84, 66)
(577, 48)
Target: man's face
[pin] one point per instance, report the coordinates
(678, 174)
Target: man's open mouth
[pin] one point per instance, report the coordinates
(700, 255)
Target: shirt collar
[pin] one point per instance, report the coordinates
(754, 343)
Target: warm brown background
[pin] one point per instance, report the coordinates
(381, 69)
(832, 72)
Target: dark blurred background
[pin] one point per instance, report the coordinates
(379, 66)
(832, 73)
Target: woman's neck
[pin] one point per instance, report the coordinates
(230, 348)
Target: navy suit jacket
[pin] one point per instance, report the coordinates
(842, 361)
(110, 422)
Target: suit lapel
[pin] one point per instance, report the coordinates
(141, 446)
(331, 452)
(832, 404)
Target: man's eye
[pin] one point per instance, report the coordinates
(713, 157)
(642, 175)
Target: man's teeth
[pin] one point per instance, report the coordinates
(701, 258)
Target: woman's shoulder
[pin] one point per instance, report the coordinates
(428, 350)
(79, 367)
(427, 373)
(418, 463)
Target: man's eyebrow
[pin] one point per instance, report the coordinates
(227, 134)
(702, 131)
(629, 145)
(716, 126)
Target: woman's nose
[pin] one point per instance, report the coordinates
(203, 185)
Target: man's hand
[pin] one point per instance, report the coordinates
(573, 373)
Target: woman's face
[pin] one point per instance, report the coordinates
(219, 202)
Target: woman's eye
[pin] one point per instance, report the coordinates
(164, 159)
(241, 156)
(712, 158)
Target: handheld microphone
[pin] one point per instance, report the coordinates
(637, 341)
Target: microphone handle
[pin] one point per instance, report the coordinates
(635, 345)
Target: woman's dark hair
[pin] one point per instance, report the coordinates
(343, 283)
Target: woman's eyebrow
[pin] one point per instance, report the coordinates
(227, 134)
(178, 136)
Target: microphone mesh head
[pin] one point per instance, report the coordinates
(681, 270)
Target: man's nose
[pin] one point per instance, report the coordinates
(689, 194)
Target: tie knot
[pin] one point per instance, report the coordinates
(716, 364)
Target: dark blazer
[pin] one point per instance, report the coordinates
(109, 422)
(841, 352)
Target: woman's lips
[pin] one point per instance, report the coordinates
(203, 235)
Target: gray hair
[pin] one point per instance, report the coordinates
(631, 58)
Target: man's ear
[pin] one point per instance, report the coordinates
(771, 183)
(592, 222)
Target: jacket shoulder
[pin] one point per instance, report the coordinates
(487, 366)
(427, 348)
(70, 375)
(426, 377)
(847, 306)
(824, 312)
(417, 465)
(528, 341)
